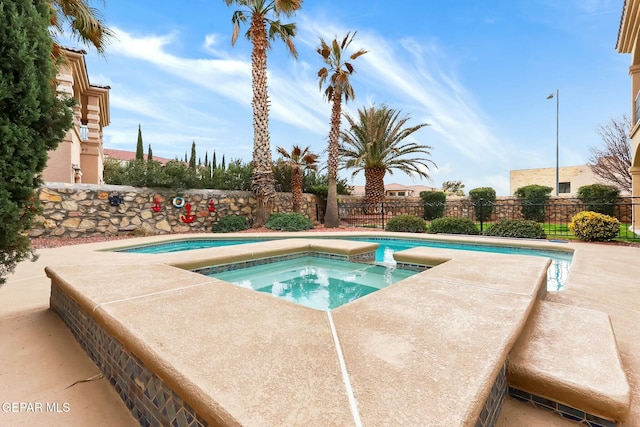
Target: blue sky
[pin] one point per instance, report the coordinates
(478, 72)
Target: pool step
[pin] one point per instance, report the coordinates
(566, 360)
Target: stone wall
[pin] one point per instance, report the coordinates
(76, 210)
(559, 210)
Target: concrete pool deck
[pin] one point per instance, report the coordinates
(40, 357)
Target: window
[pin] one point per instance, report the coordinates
(401, 193)
(84, 132)
(564, 187)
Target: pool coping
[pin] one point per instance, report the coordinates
(515, 301)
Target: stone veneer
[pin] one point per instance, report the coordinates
(559, 210)
(150, 400)
(75, 210)
(579, 416)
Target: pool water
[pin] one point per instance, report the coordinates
(315, 282)
(186, 245)
(556, 275)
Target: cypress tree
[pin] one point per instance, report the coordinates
(149, 154)
(222, 165)
(213, 162)
(33, 120)
(206, 159)
(139, 147)
(192, 159)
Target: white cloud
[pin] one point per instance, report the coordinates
(417, 78)
(294, 97)
(442, 169)
(139, 105)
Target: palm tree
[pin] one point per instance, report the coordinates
(337, 71)
(85, 22)
(259, 12)
(375, 144)
(298, 160)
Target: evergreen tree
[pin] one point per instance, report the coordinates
(186, 159)
(33, 120)
(150, 153)
(192, 159)
(206, 159)
(222, 165)
(139, 146)
(213, 162)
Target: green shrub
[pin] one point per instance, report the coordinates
(516, 228)
(594, 227)
(230, 223)
(484, 199)
(599, 198)
(453, 225)
(288, 222)
(406, 223)
(434, 202)
(533, 199)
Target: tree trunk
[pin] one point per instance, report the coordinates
(374, 189)
(264, 199)
(296, 188)
(331, 217)
(263, 182)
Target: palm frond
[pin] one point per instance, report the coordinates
(237, 18)
(377, 140)
(358, 54)
(287, 7)
(85, 22)
(338, 69)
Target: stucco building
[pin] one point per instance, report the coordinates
(79, 157)
(570, 179)
(397, 190)
(629, 42)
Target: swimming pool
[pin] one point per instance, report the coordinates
(556, 275)
(315, 282)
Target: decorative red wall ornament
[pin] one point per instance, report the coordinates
(212, 206)
(188, 218)
(156, 205)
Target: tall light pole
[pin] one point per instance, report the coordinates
(557, 97)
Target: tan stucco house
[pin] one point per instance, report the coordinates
(396, 190)
(570, 179)
(629, 42)
(79, 157)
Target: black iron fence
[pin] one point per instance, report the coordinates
(555, 215)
